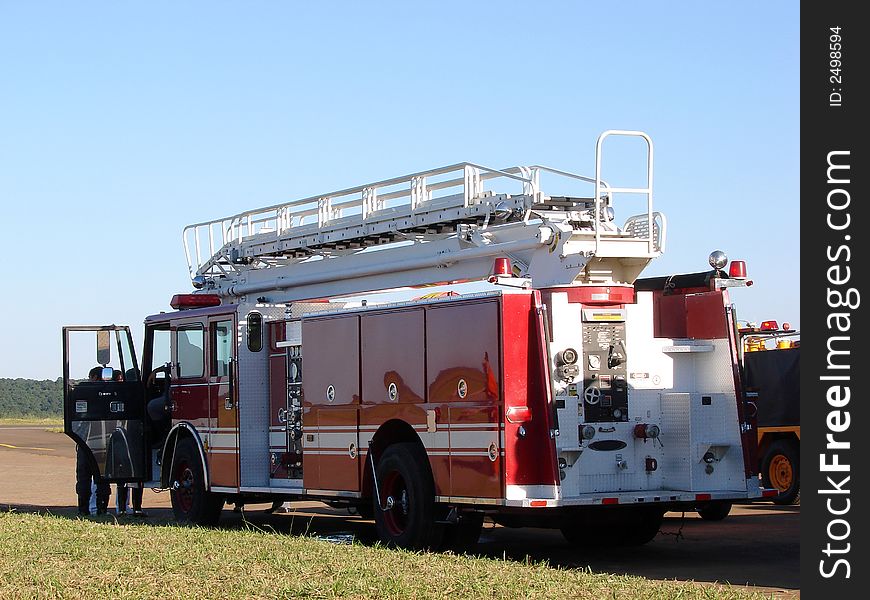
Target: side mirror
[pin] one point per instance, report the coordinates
(104, 352)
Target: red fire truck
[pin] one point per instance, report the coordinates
(561, 392)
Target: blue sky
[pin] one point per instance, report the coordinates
(121, 123)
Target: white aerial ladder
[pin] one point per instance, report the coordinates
(440, 225)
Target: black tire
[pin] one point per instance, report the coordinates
(463, 536)
(365, 511)
(780, 469)
(715, 510)
(628, 526)
(192, 504)
(404, 476)
(646, 527)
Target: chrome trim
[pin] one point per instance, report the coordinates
(333, 493)
(173, 436)
(464, 500)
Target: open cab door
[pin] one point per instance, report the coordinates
(103, 401)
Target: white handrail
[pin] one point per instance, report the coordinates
(280, 217)
(625, 190)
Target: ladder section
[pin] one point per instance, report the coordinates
(433, 201)
(468, 203)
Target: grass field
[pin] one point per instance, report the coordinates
(47, 421)
(55, 557)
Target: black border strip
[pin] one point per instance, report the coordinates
(833, 250)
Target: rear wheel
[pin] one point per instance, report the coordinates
(191, 502)
(715, 510)
(644, 529)
(620, 527)
(407, 493)
(780, 470)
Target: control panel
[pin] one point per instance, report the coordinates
(294, 409)
(605, 384)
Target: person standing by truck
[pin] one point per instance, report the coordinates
(85, 477)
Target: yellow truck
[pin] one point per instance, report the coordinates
(771, 371)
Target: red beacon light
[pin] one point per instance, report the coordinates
(501, 268)
(185, 301)
(769, 326)
(737, 269)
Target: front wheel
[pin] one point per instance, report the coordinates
(191, 502)
(780, 469)
(405, 511)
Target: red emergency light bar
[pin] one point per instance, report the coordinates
(769, 326)
(185, 301)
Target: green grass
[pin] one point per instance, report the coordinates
(25, 420)
(53, 557)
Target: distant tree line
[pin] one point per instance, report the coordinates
(31, 398)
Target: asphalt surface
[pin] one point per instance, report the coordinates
(756, 545)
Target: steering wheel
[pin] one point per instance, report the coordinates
(155, 385)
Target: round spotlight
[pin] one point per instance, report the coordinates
(502, 211)
(718, 259)
(198, 282)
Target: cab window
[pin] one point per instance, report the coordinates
(160, 351)
(190, 344)
(222, 343)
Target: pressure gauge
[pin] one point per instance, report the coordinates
(594, 362)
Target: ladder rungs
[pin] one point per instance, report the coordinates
(383, 224)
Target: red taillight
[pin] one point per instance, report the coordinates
(183, 301)
(610, 501)
(737, 270)
(519, 414)
(769, 326)
(502, 266)
(702, 497)
(769, 493)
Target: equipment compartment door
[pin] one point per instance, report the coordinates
(104, 405)
(463, 374)
(331, 398)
